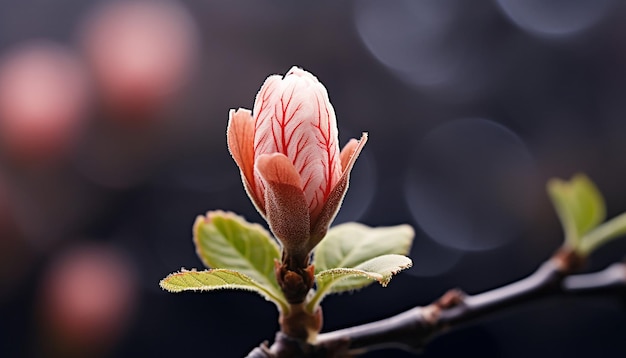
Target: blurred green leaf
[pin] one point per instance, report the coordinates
(339, 279)
(351, 244)
(226, 241)
(217, 279)
(579, 205)
(602, 234)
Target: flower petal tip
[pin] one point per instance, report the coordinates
(278, 168)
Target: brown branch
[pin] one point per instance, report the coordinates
(411, 330)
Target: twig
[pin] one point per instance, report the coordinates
(411, 330)
(613, 278)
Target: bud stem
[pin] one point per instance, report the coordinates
(296, 277)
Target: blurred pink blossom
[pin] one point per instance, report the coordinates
(42, 100)
(88, 297)
(141, 52)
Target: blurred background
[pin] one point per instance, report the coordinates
(112, 141)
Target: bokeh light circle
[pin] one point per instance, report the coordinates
(408, 38)
(43, 95)
(361, 190)
(468, 184)
(88, 297)
(431, 259)
(141, 52)
(555, 17)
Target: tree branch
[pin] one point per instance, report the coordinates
(411, 330)
(611, 279)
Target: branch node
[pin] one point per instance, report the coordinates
(288, 347)
(568, 260)
(452, 298)
(295, 282)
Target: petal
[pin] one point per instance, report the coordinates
(240, 137)
(347, 152)
(323, 177)
(354, 153)
(321, 222)
(294, 117)
(278, 168)
(266, 94)
(297, 71)
(287, 210)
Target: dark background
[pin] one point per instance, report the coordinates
(470, 108)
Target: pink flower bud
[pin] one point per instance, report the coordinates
(289, 157)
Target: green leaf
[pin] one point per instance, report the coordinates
(581, 209)
(380, 269)
(217, 279)
(351, 244)
(354, 255)
(602, 234)
(579, 205)
(226, 241)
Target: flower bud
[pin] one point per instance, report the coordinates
(288, 153)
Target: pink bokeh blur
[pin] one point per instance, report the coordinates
(140, 52)
(43, 97)
(88, 296)
(78, 118)
(113, 119)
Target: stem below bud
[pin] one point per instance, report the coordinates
(296, 277)
(300, 324)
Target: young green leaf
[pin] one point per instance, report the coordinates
(218, 279)
(579, 205)
(340, 279)
(351, 244)
(602, 234)
(226, 241)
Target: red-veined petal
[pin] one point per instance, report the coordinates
(320, 223)
(240, 137)
(294, 117)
